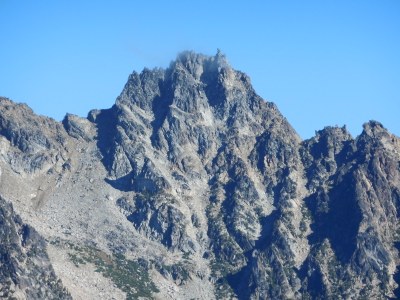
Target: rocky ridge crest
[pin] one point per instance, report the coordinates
(196, 181)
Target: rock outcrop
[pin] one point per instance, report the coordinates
(25, 269)
(205, 189)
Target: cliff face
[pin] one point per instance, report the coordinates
(25, 269)
(203, 188)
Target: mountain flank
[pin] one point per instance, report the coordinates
(192, 185)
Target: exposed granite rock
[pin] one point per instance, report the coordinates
(213, 191)
(78, 128)
(30, 143)
(25, 269)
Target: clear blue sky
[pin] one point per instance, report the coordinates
(322, 62)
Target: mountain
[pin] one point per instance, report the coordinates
(193, 186)
(25, 269)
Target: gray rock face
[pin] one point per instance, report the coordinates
(212, 190)
(25, 269)
(36, 142)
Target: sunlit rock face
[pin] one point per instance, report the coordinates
(195, 182)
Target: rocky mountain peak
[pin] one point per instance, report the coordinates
(196, 63)
(192, 82)
(374, 129)
(192, 184)
(376, 137)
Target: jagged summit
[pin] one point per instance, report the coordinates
(188, 110)
(192, 184)
(374, 128)
(206, 80)
(195, 62)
